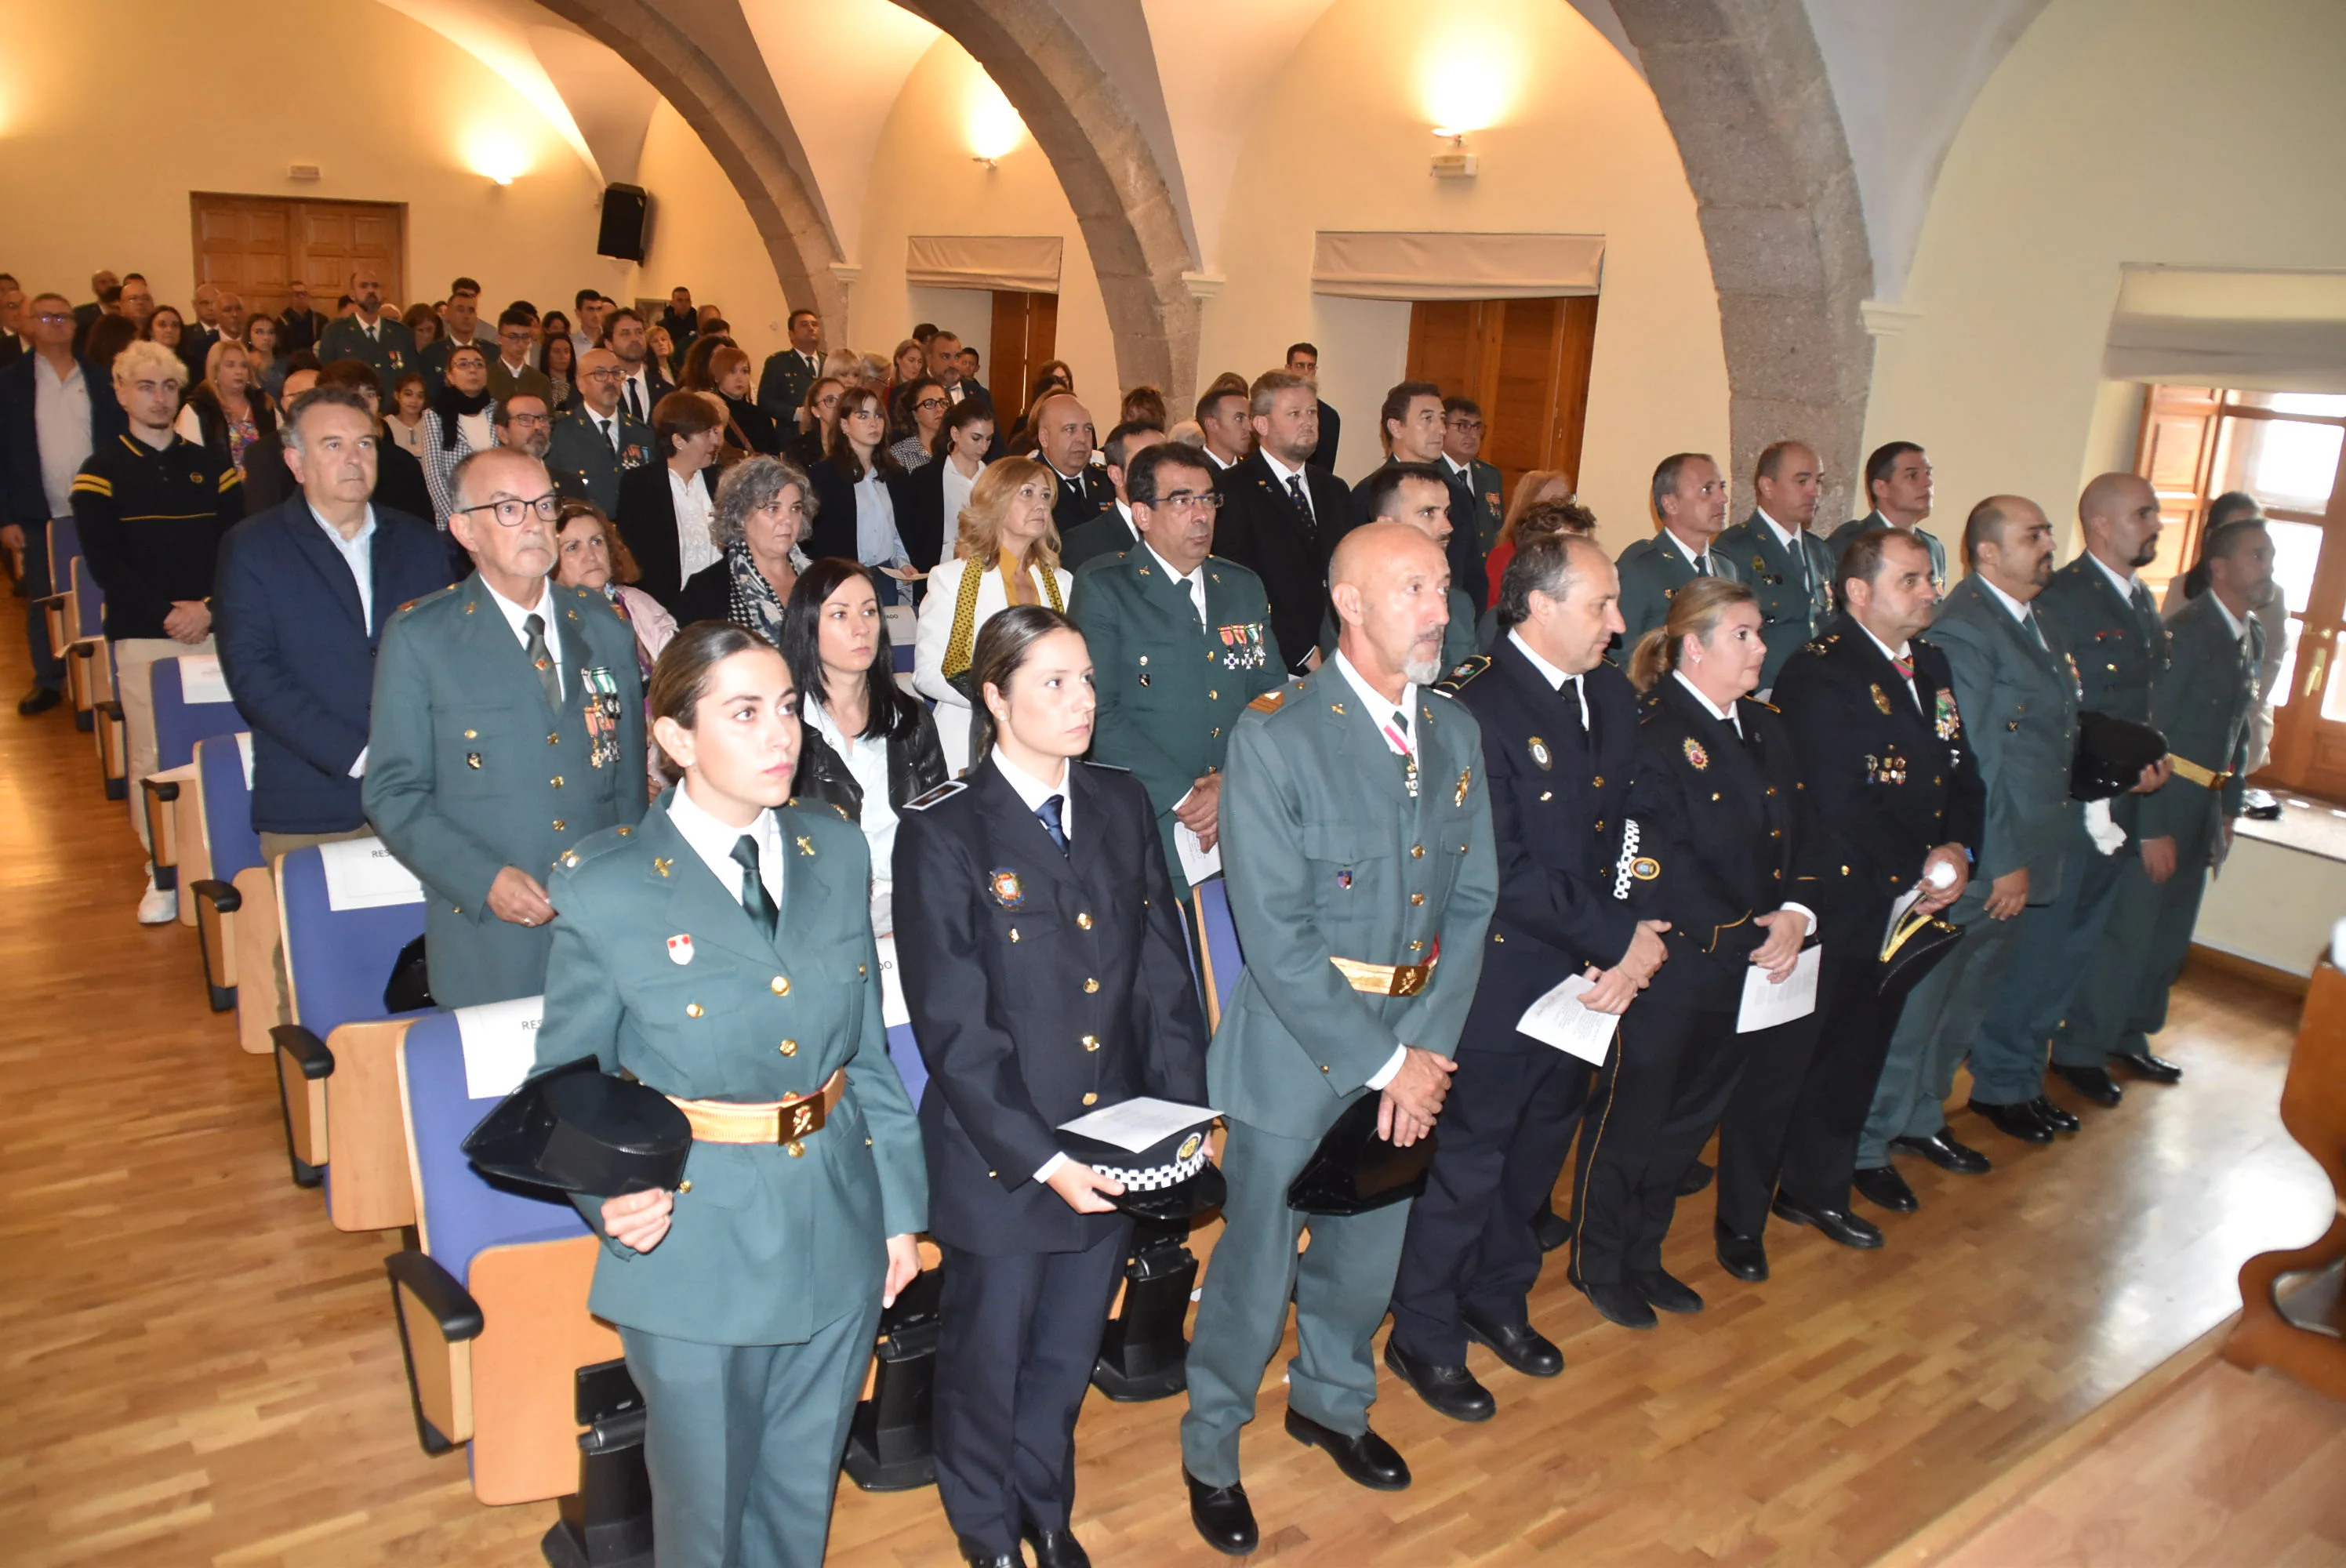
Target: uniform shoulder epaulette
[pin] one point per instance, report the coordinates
(1466, 670)
(595, 846)
(1823, 645)
(1768, 706)
(944, 792)
(1270, 701)
(1440, 691)
(434, 596)
(1106, 767)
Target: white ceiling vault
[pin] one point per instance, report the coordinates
(1903, 74)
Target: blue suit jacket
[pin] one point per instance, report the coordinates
(20, 443)
(300, 658)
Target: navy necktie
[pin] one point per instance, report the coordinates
(1048, 813)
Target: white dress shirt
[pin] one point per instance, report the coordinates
(713, 841)
(1033, 791)
(1195, 582)
(1124, 510)
(877, 543)
(2125, 585)
(957, 487)
(1731, 715)
(694, 549)
(515, 615)
(2024, 613)
(1553, 676)
(61, 427)
(641, 380)
(358, 554)
(1380, 710)
(1698, 559)
(1282, 473)
(867, 758)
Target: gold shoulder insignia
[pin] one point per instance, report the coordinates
(1268, 702)
(1768, 706)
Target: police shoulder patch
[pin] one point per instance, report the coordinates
(1465, 670)
(944, 792)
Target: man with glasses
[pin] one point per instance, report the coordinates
(507, 729)
(1462, 462)
(300, 327)
(511, 374)
(1690, 496)
(524, 424)
(1165, 712)
(597, 441)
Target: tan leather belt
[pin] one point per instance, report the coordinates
(1388, 979)
(774, 1122)
(2206, 778)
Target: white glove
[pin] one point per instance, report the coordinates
(2107, 836)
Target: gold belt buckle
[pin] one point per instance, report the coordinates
(797, 1119)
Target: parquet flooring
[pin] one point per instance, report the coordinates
(196, 1368)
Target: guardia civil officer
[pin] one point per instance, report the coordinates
(1047, 973)
(720, 950)
(1356, 826)
(1559, 729)
(1788, 566)
(1689, 497)
(1716, 844)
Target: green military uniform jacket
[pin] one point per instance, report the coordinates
(2120, 646)
(584, 463)
(1856, 526)
(1483, 483)
(1652, 572)
(1795, 594)
(1327, 856)
(769, 1242)
(1170, 690)
(468, 771)
(2018, 702)
(390, 353)
(2202, 703)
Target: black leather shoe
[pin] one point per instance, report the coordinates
(2094, 1083)
(37, 701)
(2143, 1064)
(1741, 1256)
(1884, 1188)
(1942, 1150)
(1842, 1225)
(2054, 1116)
(1553, 1230)
(1057, 1549)
(2019, 1121)
(1367, 1460)
(1698, 1176)
(1617, 1301)
(979, 1557)
(1665, 1293)
(1523, 1346)
(1222, 1515)
(1451, 1390)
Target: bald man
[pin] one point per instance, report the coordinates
(1356, 828)
(2016, 703)
(2107, 618)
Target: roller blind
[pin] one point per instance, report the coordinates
(1362, 265)
(2271, 328)
(1029, 263)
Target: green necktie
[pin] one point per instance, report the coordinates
(755, 900)
(548, 679)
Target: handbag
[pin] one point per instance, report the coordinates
(409, 989)
(1355, 1169)
(1914, 948)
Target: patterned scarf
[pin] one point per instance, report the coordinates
(755, 605)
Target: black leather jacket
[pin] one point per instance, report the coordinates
(916, 764)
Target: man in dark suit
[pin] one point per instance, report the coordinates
(1462, 460)
(1559, 728)
(1280, 517)
(300, 327)
(106, 298)
(1222, 417)
(12, 346)
(1112, 533)
(1063, 432)
(1893, 791)
(643, 379)
(460, 322)
(597, 441)
(1789, 567)
(782, 383)
(197, 336)
(1303, 359)
(1411, 423)
(680, 319)
(370, 334)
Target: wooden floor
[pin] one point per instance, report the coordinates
(196, 1368)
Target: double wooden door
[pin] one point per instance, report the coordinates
(1025, 339)
(1526, 362)
(254, 244)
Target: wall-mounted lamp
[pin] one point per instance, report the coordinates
(990, 125)
(497, 155)
(1454, 162)
(981, 158)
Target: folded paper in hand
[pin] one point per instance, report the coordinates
(1766, 1003)
(1135, 1124)
(1197, 862)
(893, 1009)
(500, 1041)
(1558, 1019)
(363, 874)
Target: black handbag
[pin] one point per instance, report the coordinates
(1355, 1170)
(2111, 754)
(410, 985)
(1915, 948)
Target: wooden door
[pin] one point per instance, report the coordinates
(1525, 361)
(1025, 339)
(254, 244)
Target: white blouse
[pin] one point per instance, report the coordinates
(867, 760)
(937, 601)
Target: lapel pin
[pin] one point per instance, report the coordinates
(662, 864)
(806, 847)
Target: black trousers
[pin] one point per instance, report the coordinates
(1673, 1069)
(1017, 1338)
(1778, 1065)
(1507, 1124)
(1821, 1142)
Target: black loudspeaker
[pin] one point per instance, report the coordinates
(627, 212)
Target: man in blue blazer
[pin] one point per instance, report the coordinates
(301, 599)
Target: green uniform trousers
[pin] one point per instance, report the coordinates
(1341, 1287)
(2123, 1000)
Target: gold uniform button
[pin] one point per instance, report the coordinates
(554, 739)
(991, 1175)
(692, 1010)
(778, 985)
(1599, 782)
(862, 972)
(472, 735)
(1084, 921)
(1417, 851)
(1775, 832)
(1213, 695)
(1547, 794)
(789, 1047)
(1323, 1066)
(1090, 986)
(796, 1148)
(1771, 790)
(556, 781)
(1091, 1099)
(684, 1187)
(560, 826)
(1600, 827)
(1417, 898)
(1144, 661)
(1091, 1043)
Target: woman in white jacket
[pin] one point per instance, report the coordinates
(1007, 553)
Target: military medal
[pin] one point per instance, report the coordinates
(602, 712)
(1540, 754)
(1882, 701)
(1944, 718)
(679, 948)
(1002, 884)
(1696, 754)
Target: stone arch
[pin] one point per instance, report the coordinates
(751, 142)
(1742, 86)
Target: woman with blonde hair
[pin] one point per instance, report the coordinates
(1008, 553)
(227, 412)
(1715, 843)
(1539, 487)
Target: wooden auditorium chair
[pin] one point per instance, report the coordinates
(191, 705)
(232, 888)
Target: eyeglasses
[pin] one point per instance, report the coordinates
(1466, 424)
(511, 513)
(527, 419)
(927, 403)
(608, 375)
(1188, 501)
(55, 318)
